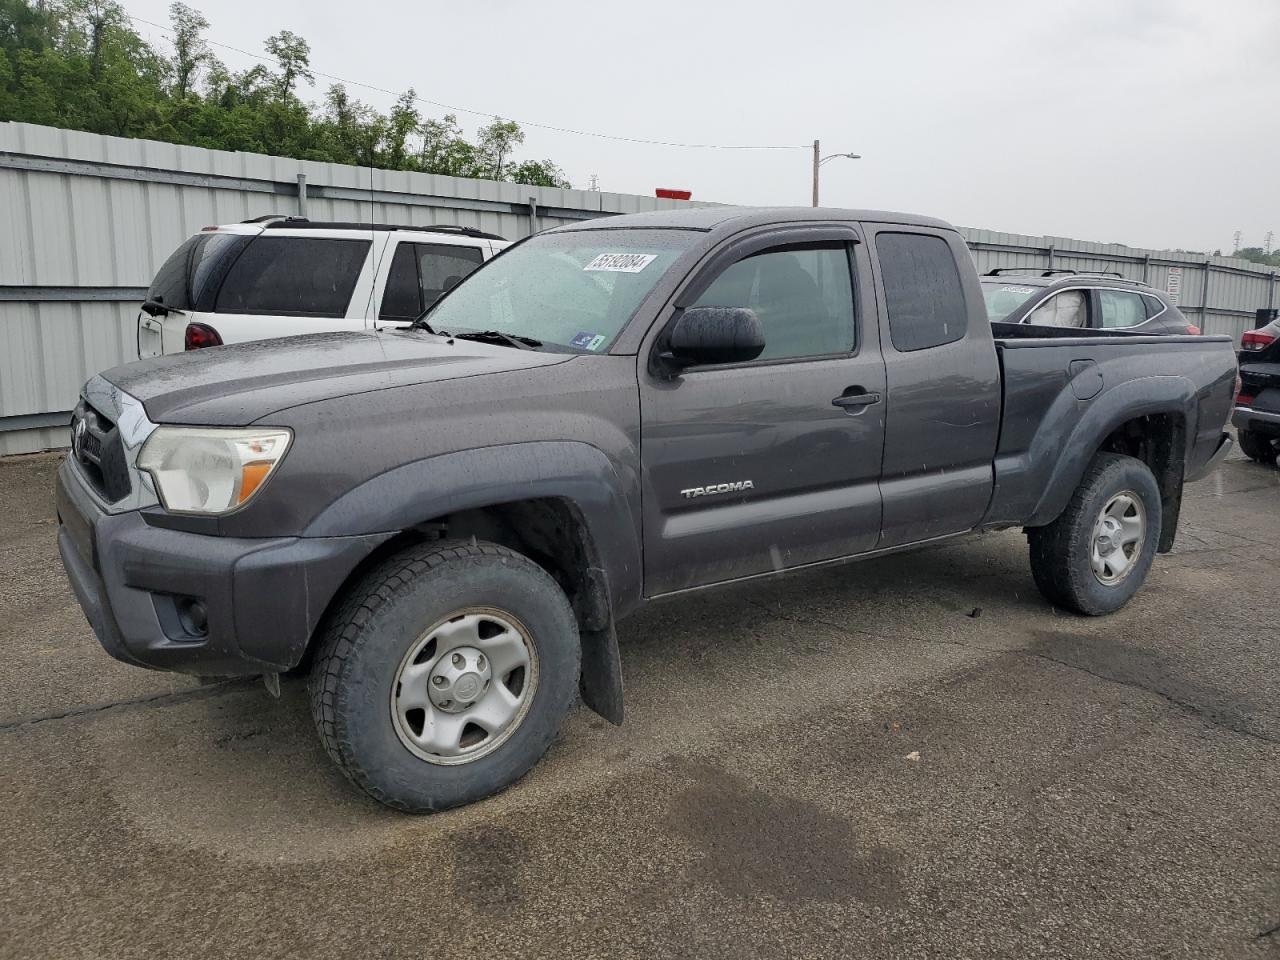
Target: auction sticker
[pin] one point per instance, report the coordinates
(1017, 289)
(587, 341)
(621, 262)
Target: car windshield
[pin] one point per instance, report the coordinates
(574, 291)
(1005, 296)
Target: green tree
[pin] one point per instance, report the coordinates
(539, 173)
(190, 51)
(79, 64)
(494, 145)
(1258, 255)
(293, 54)
(444, 148)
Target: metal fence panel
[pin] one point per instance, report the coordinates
(85, 221)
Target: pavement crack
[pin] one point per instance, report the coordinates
(1192, 708)
(1269, 932)
(178, 696)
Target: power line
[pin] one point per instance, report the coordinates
(487, 113)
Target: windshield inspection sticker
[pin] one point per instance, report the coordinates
(587, 340)
(621, 262)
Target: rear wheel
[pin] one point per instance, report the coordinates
(445, 675)
(1096, 555)
(1258, 447)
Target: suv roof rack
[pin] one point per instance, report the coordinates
(1037, 272)
(278, 222)
(1025, 271)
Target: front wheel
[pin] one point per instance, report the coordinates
(1257, 447)
(1096, 555)
(445, 674)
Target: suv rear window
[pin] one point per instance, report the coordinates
(190, 278)
(293, 276)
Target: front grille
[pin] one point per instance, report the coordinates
(98, 450)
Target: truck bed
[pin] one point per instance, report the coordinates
(1061, 391)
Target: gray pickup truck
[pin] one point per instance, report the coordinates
(444, 523)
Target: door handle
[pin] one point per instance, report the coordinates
(850, 400)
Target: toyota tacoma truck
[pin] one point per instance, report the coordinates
(443, 524)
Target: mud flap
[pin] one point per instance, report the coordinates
(601, 682)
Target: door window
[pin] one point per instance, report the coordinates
(802, 294)
(443, 266)
(402, 300)
(923, 296)
(1121, 309)
(1067, 309)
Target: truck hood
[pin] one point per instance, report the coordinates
(238, 384)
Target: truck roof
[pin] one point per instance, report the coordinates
(715, 218)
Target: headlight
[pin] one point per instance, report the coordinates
(211, 469)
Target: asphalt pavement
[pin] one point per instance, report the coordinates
(912, 757)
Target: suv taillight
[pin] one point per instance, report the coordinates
(201, 335)
(1256, 340)
(1193, 330)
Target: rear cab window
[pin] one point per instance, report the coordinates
(924, 296)
(293, 276)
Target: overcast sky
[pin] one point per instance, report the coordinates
(1147, 122)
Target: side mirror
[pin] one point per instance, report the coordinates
(714, 335)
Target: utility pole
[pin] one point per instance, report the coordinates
(819, 160)
(817, 149)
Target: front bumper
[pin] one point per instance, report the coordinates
(263, 597)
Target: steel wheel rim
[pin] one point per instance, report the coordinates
(1119, 534)
(473, 672)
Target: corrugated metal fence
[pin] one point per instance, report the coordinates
(86, 220)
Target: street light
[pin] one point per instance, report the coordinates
(819, 160)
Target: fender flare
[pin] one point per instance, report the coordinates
(408, 495)
(1124, 402)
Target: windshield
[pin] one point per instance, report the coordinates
(1004, 297)
(575, 291)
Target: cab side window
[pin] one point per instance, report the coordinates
(1121, 309)
(1067, 309)
(923, 294)
(802, 294)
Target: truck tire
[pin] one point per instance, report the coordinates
(445, 674)
(1257, 447)
(1096, 555)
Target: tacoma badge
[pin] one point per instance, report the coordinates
(737, 486)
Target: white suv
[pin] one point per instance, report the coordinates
(283, 276)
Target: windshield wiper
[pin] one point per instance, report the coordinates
(421, 324)
(497, 336)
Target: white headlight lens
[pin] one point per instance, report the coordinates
(211, 469)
